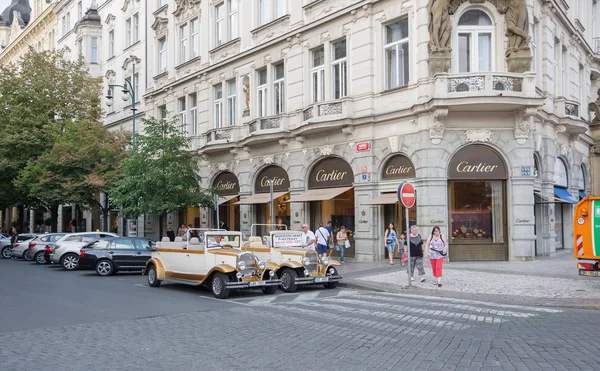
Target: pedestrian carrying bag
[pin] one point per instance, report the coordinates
(347, 244)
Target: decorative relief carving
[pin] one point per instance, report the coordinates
(270, 123)
(507, 83)
(308, 113)
(246, 89)
(393, 140)
(463, 84)
(595, 150)
(480, 135)
(252, 127)
(436, 132)
(222, 166)
(559, 129)
(524, 125)
(571, 109)
(284, 141)
(595, 106)
(348, 130)
(160, 26)
(327, 109)
(185, 8)
(110, 75)
(564, 150)
(326, 150)
(110, 18)
(223, 134)
(300, 139)
(268, 160)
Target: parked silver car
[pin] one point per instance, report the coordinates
(19, 250)
(37, 247)
(66, 250)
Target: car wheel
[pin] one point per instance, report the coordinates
(219, 288)
(288, 280)
(25, 255)
(39, 258)
(332, 285)
(104, 268)
(152, 280)
(69, 261)
(6, 253)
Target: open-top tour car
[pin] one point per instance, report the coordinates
(294, 265)
(213, 259)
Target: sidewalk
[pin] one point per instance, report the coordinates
(548, 281)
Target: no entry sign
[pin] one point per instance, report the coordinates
(406, 195)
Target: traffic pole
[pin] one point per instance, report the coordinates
(407, 239)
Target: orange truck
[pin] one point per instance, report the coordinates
(586, 234)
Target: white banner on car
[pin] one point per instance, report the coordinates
(287, 239)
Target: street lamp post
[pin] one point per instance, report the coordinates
(128, 92)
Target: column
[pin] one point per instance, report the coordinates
(521, 222)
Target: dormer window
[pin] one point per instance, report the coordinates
(475, 34)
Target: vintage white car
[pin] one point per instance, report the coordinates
(214, 259)
(294, 264)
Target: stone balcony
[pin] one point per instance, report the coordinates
(220, 139)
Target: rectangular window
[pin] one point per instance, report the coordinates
(162, 55)
(233, 19)
(339, 69)
(396, 54)
(318, 74)
(64, 25)
(278, 89)
(280, 8)
(231, 102)
(194, 38)
(261, 92)
(555, 66)
(182, 117)
(192, 119)
(79, 10)
(218, 98)
(80, 46)
(219, 23)
(563, 72)
(68, 21)
(534, 31)
(136, 28)
(111, 43)
(183, 40)
(580, 94)
(136, 86)
(484, 223)
(263, 12)
(128, 32)
(484, 48)
(94, 50)
(111, 93)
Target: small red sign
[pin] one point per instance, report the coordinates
(407, 195)
(363, 146)
(363, 169)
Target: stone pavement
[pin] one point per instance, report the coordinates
(552, 281)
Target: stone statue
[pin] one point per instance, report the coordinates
(595, 107)
(246, 89)
(517, 26)
(440, 26)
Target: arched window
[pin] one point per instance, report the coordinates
(475, 38)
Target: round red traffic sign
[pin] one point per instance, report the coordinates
(406, 195)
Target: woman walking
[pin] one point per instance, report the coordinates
(341, 239)
(437, 248)
(391, 241)
(416, 253)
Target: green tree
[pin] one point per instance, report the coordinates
(82, 162)
(39, 96)
(161, 176)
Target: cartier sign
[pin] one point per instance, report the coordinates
(272, 174)
(226, 183)
(477, 162)
(331, 172)
(398, 167)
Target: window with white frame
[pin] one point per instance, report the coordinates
(233, 22)
(132, 30)
(183, 43)
(64, 25)
(128, 32)
(396, 54)
(219, 24)
(182, 116)
(475, 33)
(162, 55)
(580, 86)
(218, 105)
(194, 38)
(192, 114)
(339, 69)
(135, 83)
(563, 71)
(261, 92)
(534, 37)
(557, 51)
(136, 28)
(111, 43)
(79, 10)
(231, 102)
(317, 74)
(278, 88)
(188, 40)
(269, 10)
(68, 21)
(94, 45)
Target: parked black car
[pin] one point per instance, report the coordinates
(109, 256)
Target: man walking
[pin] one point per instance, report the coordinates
(330, 242)
(322, 240)
(308, 238)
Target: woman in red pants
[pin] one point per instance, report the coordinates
(436, 245)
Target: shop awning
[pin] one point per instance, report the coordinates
(384, 199)
(539, 199)
(319, 194)
(224, 199)
(562, 195)
(582, 194)
(260, 198)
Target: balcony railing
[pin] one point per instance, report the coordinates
(220, 134)
(564, 107)
(322, 109)
(265, 123)
(485, 84)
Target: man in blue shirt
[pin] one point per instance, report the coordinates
(330, 238)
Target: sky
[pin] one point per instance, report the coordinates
(4, 4)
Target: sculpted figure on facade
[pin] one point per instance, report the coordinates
(517, 26)
(246, 89)
(595, 107)
(440, 26)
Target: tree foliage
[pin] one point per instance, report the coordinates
(39, 97)
(162, 175)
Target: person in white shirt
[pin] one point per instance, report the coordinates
(308, 238)
(322, 235)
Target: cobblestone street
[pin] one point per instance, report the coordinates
(129, 326)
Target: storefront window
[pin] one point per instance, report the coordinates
(558, 225)
(476, 210)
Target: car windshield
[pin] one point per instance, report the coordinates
(222, 241)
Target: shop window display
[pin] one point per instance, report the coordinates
(477, 211)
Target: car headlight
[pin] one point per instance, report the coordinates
(306, 261)
(242, 265)
(271, 273)
(261, 265)
(325, 261)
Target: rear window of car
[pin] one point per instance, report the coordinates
(24, 237)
